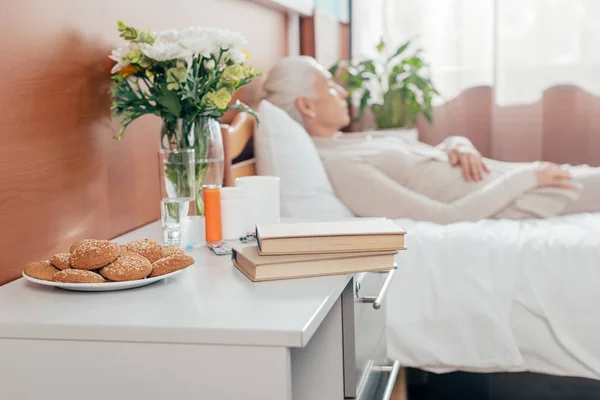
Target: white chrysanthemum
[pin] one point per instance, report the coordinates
(197, 41)
(164, 50)
(168, 36)
(117, 54)
(227, 39)
(237, 56)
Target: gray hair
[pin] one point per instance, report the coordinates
(291, 77)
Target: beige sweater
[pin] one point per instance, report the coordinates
(396, 178)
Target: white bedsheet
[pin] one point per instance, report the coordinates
(499, 296)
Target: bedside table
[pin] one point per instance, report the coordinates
(207, 333)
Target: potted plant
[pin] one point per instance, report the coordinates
(187, 78)
(393, 86)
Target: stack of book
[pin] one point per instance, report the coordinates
(300, 250)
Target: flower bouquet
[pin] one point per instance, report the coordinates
(187, 78)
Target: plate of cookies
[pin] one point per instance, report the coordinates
(93, 265)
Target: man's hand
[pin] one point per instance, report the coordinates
(471, 162)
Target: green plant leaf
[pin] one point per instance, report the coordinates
(344, 77)
(170, 101)
(415, 62)
(400, 50)
(428, 115)
(364, 99)
(380, 45)
(368, 66)
(334, 68)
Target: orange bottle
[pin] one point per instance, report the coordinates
(212, 213)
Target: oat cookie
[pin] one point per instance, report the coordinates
(79, 243)
(171, 264)
(77, 276)
(94, 254)
(61, 260)
(146, 248)
(128, 267)
(171, 250)
(40, 270)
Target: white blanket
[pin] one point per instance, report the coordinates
(499, 296)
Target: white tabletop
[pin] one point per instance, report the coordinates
(209, 303)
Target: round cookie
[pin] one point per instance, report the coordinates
(150, 249)
(80, 243)
(172, 250)
(171, 264)
(61, 260)
(41, 270)
(94, 254)
(128, 267)
(77, 276)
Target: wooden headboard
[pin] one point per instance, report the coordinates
(238, 144)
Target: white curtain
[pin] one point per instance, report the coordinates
(518, 47)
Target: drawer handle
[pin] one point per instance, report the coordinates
(380, 297)
(389, 386)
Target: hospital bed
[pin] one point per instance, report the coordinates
(487, 296)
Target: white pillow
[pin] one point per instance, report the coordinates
(283, 148)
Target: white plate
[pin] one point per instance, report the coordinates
(102, 287)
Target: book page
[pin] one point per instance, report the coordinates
(381, 226)
(251, 253)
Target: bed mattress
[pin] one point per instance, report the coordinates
(499, 296)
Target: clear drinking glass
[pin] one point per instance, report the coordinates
(172, 212)
(178, 188)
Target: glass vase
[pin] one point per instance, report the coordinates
(178, 189)
(203, 134)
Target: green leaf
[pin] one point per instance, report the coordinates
(400, 50)
(364, 99)
(381, 45)
(368, 66)
(121, 132)
(344, 77)
(334, 68)
(428, 115)
(170, 101)
(415, 62)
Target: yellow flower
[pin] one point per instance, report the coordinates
(246, 53)
(220, 99)
(249, 72)
(176, 76)
(128, 70)
(232, 75)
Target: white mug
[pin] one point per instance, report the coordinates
(192, 231)
(262, 200)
